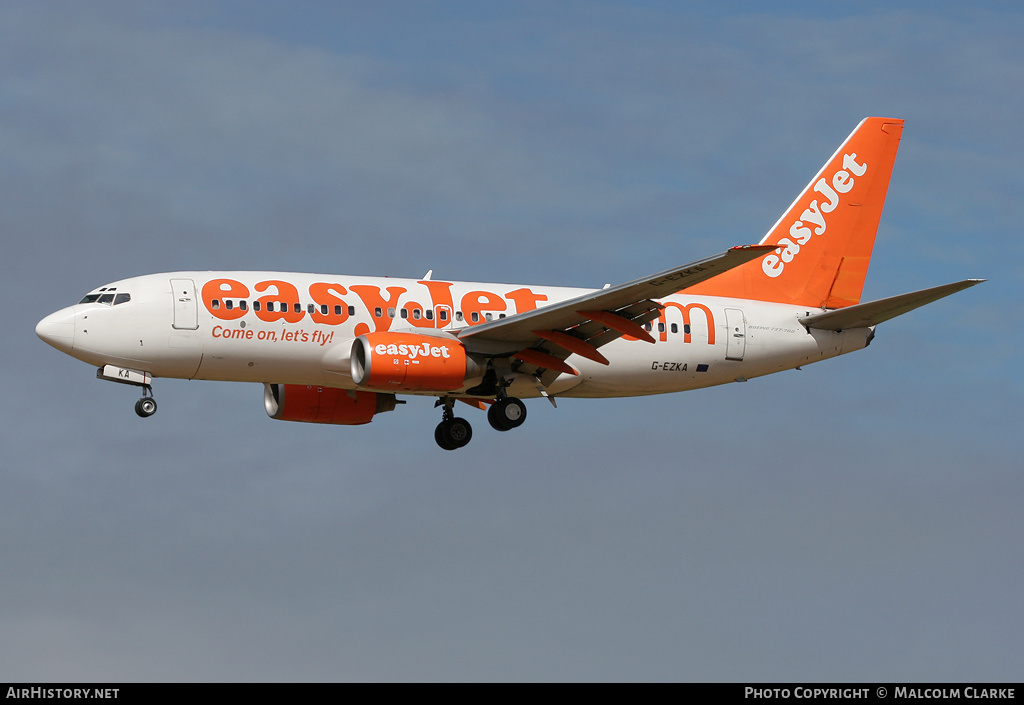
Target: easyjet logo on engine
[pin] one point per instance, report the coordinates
(412, 351)
(410, 362)
(813, 221)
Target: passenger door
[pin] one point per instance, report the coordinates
(186, 312)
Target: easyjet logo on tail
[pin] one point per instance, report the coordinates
(813, 220)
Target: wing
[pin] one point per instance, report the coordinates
(541, 339)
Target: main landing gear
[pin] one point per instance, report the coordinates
(454, 432)
(506, 414)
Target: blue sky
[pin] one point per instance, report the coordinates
(858, 520)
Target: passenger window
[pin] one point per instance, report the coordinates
(378, 312)
(270, 305)
(661, 327)
(297, 308)
(475, 316)
(391, 313)
(311, 309)
(458, 316)
(417, 314)
(243, 305)
(647, 326)
(405, 313)
(337, 310)
(351, 310)
(323, 309)
(216, 304)
(675, 327)
(256, 305)
(489, 316)
(229, 304)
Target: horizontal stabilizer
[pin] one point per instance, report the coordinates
(875, 312)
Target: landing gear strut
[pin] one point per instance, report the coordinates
(453, 432)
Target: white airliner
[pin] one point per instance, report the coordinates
(338, 349)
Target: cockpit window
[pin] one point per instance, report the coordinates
(109, 298)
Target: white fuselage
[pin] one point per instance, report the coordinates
(230, 326)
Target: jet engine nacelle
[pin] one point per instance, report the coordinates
(412, 362)
(312, 404)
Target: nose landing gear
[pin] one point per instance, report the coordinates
(146, 406)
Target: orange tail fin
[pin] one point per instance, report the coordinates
(825, 238)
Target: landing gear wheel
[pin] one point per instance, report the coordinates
(145, 407)
(506, 414)
(454, 433)
(441, 437)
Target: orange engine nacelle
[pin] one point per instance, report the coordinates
(312, 404)
(411, 362)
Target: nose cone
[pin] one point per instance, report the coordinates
(58, 329)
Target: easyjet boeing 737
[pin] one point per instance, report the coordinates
(338, 349)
